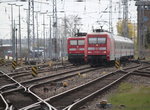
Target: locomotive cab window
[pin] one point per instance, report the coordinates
(97, 40)
(73, 42)
(92, 40)
(101, 40)
(80, 42)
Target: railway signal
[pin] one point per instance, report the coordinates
(34, 71)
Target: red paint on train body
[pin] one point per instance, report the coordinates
(75, 48)
(104, 47)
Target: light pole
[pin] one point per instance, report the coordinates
(37, 32)
(12, 31)
(33, 30)
(16, 45)
(63, 44)
(20, 53)
(50, 37)
(44, 31)
(110, 17)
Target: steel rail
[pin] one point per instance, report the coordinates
(141, 73)
(49, 106)
(29, 89)
(65, 77)
(32, 106)
(77, 88)
(25, 88)
(38, 65)
(14, 80)
(15, 74)
(49, 76)
(42, 78)
(148, 72)
(6, 104)
(79, 103)
(8, 86)
(29, 74)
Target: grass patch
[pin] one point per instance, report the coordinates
(133, 98)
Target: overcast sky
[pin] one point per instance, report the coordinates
(90, 12)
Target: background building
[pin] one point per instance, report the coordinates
(143, 16)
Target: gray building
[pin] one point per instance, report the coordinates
(143, 8)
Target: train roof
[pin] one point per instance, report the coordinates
(122, 39)
(98, 33)
(74, 38)
(115, 37)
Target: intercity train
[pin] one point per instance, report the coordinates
(103, 47)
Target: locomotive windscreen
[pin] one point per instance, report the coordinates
(77, 42)
(97, 40)
(73, 42)
(80, 42)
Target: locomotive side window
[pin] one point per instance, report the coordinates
(73, 42)
(97, 40)
(80, 42)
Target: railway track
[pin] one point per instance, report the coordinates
(60, 78)
(5, 80)
(15, 99)
(41, 73)
(66, 100)
(134, 78)
(19, 98)
(37, 105)
(22, 94)
(3, 103)
(40, 70)
(142, 73)
(51, 86)
(41, 66)
(29, 82)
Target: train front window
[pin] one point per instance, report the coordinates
(92, 40)
(101, 40)
(80, 42)
(97, 40)
(73, 42)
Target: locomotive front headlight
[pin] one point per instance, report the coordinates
(104, 52)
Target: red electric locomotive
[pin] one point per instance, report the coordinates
(103, 47)
(76, 50)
